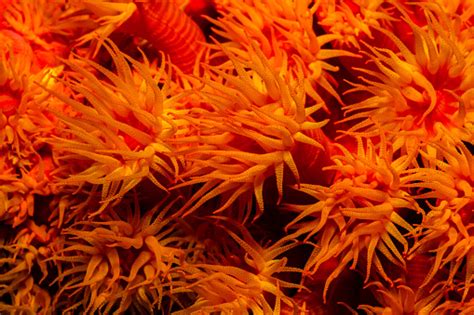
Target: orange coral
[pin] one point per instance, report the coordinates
(120, 260)
(131, 143)
(357, 216)
(255, 156)
(265, 120)
(422, 89)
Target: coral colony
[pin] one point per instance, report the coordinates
(236, 157)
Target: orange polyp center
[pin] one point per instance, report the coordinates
(311, 160)
(446, 101)
(9, 101)
(131, 120)
(441, 80)
(467, 214)
(446, 105)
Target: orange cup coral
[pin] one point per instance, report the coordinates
(244, 157)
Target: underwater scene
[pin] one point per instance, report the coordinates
(237, 157)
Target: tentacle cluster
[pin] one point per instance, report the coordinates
(296, 157)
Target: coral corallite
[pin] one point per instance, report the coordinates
(236, 157)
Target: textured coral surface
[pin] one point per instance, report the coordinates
(236, 157)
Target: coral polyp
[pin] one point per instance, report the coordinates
(425, 86)
(131, 143)
(225, 287)
(119, 261)
(236, 157)
(360, 215)
(353, 21)
(256, 118)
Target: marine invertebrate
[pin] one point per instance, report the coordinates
(23, 121)
(415, 92)
(255, 121)
(353, 21)
(359, 216)
(459, 8)
(446, 231)
(45, 25)
(283, 31)
(121, 262)
(131, 143)
(19, 290)
(242, 288)
(143, 170)
(453, 306)
(401, 300)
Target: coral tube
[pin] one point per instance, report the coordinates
(168, 29)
